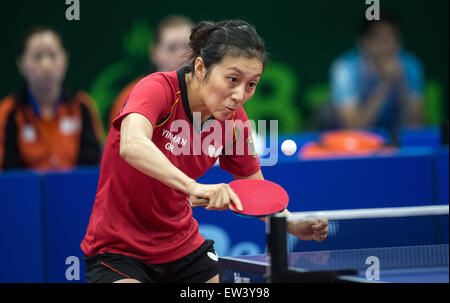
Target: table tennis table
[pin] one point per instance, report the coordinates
(409, 264)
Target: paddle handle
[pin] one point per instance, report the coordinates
(202, 202)
(198, 202)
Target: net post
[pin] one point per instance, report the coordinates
(277, 248)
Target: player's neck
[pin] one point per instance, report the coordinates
(195, 97)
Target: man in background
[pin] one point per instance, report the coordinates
(377, 84)
(169, 52)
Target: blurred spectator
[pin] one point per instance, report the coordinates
(44, 124)
(169, 53)
(377, 84)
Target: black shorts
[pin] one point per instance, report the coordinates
(197, 267)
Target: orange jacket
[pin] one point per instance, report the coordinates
(72, 137)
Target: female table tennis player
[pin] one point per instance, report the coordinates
(141, 228)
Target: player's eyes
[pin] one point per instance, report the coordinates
(233, 80)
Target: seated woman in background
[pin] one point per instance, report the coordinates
(45, 125)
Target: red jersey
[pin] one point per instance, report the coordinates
(135, 214)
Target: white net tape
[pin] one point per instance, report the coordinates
(367, 213)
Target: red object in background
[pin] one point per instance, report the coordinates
(345, 143)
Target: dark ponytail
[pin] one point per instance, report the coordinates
(199, 35)
(212, 41)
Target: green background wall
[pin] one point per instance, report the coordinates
(108, 47)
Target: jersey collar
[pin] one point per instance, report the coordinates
(184, 98)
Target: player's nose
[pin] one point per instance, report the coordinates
(238, 94)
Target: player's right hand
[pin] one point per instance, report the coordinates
(219, 196)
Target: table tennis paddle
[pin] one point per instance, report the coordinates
(258, 197)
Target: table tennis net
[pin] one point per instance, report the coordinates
(402, 237)
(368, 228)
(358, 259)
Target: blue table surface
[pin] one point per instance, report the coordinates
(411, 264)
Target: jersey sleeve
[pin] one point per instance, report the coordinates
(240, 158)
(149, 98)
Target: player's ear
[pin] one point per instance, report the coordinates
(200, 68)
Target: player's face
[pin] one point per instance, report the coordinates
(170, 53)
(230, 84)
(44, 61)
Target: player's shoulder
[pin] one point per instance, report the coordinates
(157, 87)
(158, 80)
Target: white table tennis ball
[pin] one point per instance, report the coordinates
(288, 147)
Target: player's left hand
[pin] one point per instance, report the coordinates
(309, 230)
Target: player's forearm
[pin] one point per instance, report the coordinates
(142, 154)
(291, 227)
